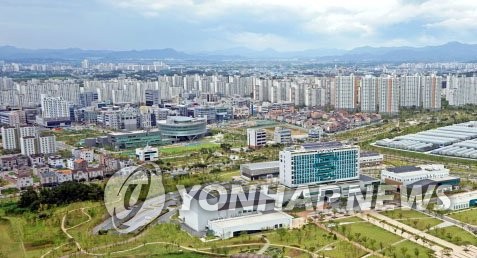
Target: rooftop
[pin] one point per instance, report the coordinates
(262, 165)
(404, 169)
(250, 219)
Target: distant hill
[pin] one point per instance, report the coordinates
(452, 51)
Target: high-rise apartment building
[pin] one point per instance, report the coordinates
(388, 94)
(368, 94)
(346, 92)
(431, 92)
(410, 91)
(54, 107)
(9, 138)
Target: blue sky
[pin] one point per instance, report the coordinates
(198, 25)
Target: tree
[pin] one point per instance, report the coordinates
(403, 250)
(29, 199)
(416, 251)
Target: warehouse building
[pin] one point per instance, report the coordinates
(260, 170)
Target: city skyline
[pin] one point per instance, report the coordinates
(191, 26)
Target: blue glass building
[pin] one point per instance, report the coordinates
(319, 163)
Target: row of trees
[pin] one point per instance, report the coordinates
(64, 193)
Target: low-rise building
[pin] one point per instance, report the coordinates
(48, 178)
(64, 175)
(147, 153)
(232, 215)
(282, 135)
(410, 174)
(370, 159)
(460, 201)
(24, 178)
(260, 170)
(256, 138)
(56, 161)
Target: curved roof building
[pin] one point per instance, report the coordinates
(183, 128)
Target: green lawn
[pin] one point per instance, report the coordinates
(343, 249)
(75, 137)
(408, 249)
(468, 216)
(310, 237)
(413, 218)
(349, 219)
(369, 235)
(454, 235)
(9, 241)
(176, 150)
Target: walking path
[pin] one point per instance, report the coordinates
(441, 247)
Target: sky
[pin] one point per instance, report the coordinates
(209, 25)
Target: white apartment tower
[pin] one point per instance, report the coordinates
(9, 138)
(346, 92)
(388, 95)
(410, 91)
(368, 94)
(28, 145)
(431, 92)
(47, 144)
(54, 107)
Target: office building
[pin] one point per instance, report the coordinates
(153, 97)
(316, 163)
(147, 153)
(134, 139)
(282, 135)
(180, 128)
(256, 138)
(406, 175)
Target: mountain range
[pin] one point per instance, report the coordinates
(452, 51)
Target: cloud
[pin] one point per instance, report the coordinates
(220, 24)
(260, 41)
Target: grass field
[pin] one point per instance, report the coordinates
(413, 218)
(310, 237)
(408, 249)
(469, 216)
(10, 246)
(74, 137)
(343, 249)
(175, 150)
(369, 235)
(454, 235)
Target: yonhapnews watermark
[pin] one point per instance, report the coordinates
(134, 197)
